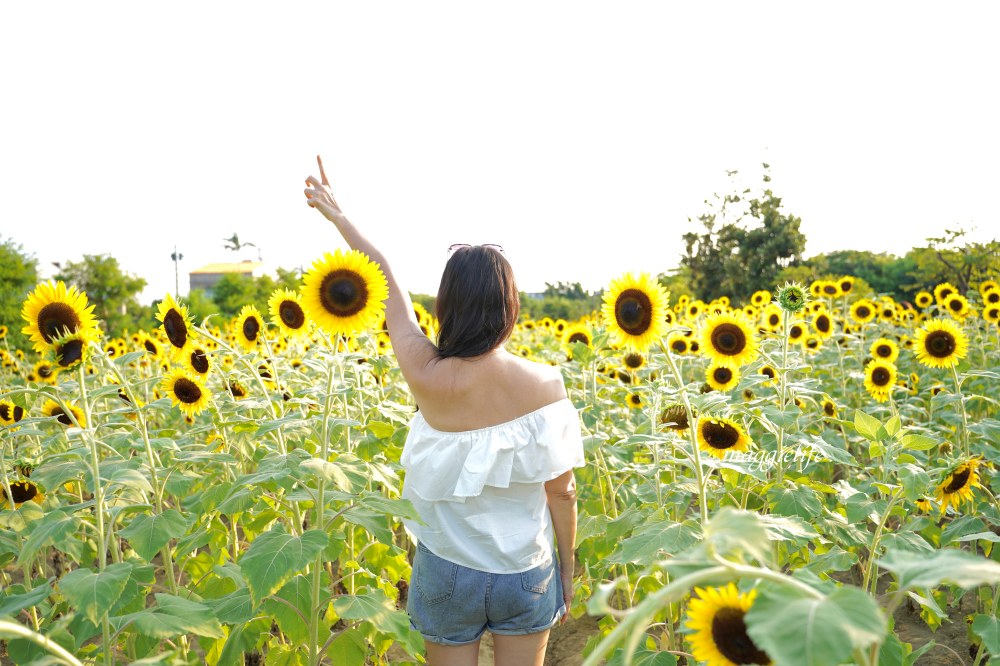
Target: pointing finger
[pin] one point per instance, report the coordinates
(322, 173)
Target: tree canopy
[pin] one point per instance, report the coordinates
(18, 276)
(111, 290)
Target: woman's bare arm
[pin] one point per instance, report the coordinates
(413, 350)
(561, 495)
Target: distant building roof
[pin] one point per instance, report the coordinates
(242, 267)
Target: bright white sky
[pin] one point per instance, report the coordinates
(581, 136)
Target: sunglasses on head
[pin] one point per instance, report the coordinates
(458, 246)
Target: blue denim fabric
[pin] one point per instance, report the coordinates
(453, 605)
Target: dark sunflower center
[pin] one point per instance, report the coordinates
(634, 399)
(187, 391)
(22, 491)
(70, 353)
(993, 297)
(795, 332)
(722, 375)
(958, 480)
(251, 328)
(678, 346)
(124, 396)
(343, 293)
(199, 361)
(264, 372)
(4, 412)
(863, 311)
(291, 314)
(176, 330)
(44, 371)
(728, 339)
(633, 361)
(845, 286)
(940, 344)
(237, 390)
(56, 319)
(945, 293)
(729, 633)
(955, 305)
(773, 320)
(633, 311)
(830, 289)
(579, 337)
(829, 409)
(61, 416)
(885, 351)
(18, 413)
(150, 346)
(720, 435)
(812, 343)
(881, 376)
(767, 372)
(823, 324)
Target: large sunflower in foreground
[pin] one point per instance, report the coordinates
(730, 338)
(717, 435)
(285, 308)
(880, 378)
(186, 392)
(175, 322)
(720, 634)
(344, 292)
(940, 343)
(249, 327)
(634, 311)
(958, 484)
(54, 311)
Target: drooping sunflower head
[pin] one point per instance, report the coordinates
(344, 292)
(53, 408)
(717, 435)
(730, 338)
(22, 491)
(236, 389)
(54, 311)
(792, 297)
(186, 391)
(940, 343)
(633, 310)
(285, 307)
(174, 322)
(885, 349)
(829, 408)
(70, 350)
(722, 376)
(957, 485)
(675, 417)
(880, 378)
(720, 636)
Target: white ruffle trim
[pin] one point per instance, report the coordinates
(533, 448)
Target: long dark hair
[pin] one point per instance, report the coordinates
(477, 303)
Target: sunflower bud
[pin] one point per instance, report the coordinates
(792, 297)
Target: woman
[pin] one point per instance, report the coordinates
(489, 460)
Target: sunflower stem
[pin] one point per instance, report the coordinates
(14, 629)
(876, 541)
(782, 402)
(693, 438)
(317, 581)
(965, 418)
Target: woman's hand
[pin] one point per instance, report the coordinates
(318, 196)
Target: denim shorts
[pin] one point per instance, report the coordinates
(453, 605)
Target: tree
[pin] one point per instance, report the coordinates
(18, 276)
(945, 260)
(112, 291)
(747, 241)
(234, 290)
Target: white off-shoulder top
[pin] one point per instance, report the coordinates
(481, 492)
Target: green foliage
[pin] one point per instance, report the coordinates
(111, 290)
(561, 300)
(234, 290)
(746, 242)
(18, 276)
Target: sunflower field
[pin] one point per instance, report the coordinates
(771, 482)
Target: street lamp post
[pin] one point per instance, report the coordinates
(176, 256)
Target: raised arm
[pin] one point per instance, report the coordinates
(413, 350)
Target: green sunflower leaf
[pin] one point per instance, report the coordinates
(274, 557)
(988, 629)
(920, 570)
(149, 534)
(95, 593)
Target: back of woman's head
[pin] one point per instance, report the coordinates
(477, 302)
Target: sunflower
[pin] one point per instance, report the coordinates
(53, 311)
(885, 349)
(236, 389)
(761, 298)
(990, 296)
(10, 413)
(677, 343)
(923, 299)
(675, 417)
(285, 308)
(729, 337)
(988, 285)
(717, 435)
(957, 306)
(924, 505)
(694, 309)
(812, 342)
(796, 332)
(769, 372)
(957, 485)
(635, 401)
(720, 633)
(991, 313)
(822, 323)
(344, 292)
(46, 373)
(829, 408)
(175, 323)
(70, 350)
(830, 289)
(524, 351)
(846, 284)
(198, 361)
(22, 491)
(249, 327)
(186, 391)
(150, 344)
(863, 311)
(52, 408)
(772, 317)
(3, 332)
(943, 291)
(577, 332)
(940, 343)
(722, 376)
(634, 310)
(880, 378)
(634, 361)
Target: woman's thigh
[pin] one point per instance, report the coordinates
(523, 650)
